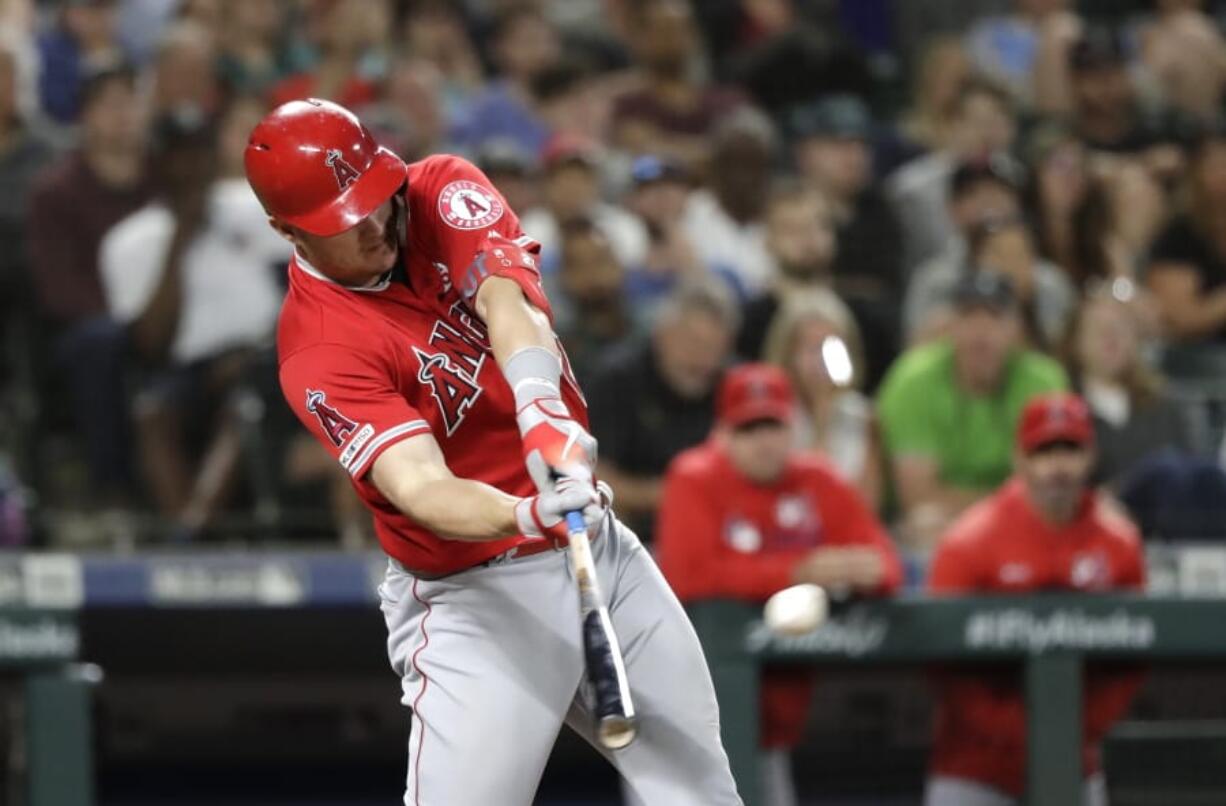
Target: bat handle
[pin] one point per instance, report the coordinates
(574, 523)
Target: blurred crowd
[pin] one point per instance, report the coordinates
(924, 219)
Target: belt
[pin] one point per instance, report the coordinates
(526, 549)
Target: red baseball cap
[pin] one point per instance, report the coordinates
(754, 392)
(1056, 417)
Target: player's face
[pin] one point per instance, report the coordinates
(1055, 477)
(759, 450)
(358, 255)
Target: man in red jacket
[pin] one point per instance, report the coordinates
(744, 515)
(1046, 529)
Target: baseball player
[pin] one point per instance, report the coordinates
(415, 343)
(1046, 529)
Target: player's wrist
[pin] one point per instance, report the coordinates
(534, 374)
(526, 519)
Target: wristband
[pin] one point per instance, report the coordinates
(533, 373)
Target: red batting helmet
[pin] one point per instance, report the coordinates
(314, 165)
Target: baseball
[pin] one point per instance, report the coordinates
(796, 610)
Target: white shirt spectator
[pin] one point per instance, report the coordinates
(230, 293)
(724, 243)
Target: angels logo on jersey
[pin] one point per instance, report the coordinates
(345, 173)
(797, 520)
(337, 426)
(1090, 570)
(452, 372)
(467, 205)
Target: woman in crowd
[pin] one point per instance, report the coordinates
(814, 338)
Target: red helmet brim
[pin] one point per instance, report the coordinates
(378, 183)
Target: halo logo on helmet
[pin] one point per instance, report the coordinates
(345, 173)
(283, 161)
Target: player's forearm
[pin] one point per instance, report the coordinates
(459, 509)
(513, 323)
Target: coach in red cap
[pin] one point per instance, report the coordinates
(1046, 529)
(745, 515)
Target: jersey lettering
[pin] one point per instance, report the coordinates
(474, 327)
(458, 346)
(454, 390)
(337, 426)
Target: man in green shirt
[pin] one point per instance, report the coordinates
(948, 409)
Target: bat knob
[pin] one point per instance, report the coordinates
(615, 732)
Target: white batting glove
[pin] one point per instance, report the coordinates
(554, 444)
(544, 515)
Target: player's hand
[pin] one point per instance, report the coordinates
(555, 444)
(544, 515)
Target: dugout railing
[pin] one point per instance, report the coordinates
(1051, 636)
(39, 647)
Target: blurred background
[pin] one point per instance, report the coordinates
(713, 182)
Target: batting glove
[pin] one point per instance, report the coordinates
(544, 515)
(554, 444)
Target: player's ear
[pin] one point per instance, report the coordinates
(284, 230)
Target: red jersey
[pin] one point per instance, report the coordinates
(720, 535)
(364, 368)
(1003, 545)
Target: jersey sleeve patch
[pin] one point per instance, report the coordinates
(467, 205)
(335, 425)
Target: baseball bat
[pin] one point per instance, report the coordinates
(615, 720)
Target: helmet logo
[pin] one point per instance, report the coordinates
(345, 173)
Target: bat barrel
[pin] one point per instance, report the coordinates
(614, 711)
